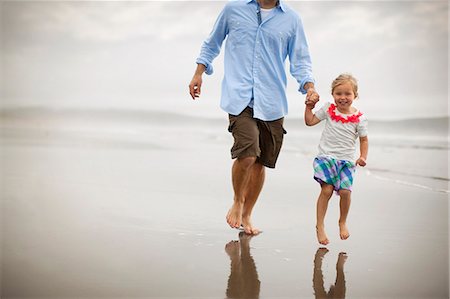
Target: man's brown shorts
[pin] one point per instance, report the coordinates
(256, 138)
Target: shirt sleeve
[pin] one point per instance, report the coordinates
(299, 58)
(322, 112)
(211, 46)
(363, 126)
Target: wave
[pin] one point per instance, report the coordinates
(119, 116)
(369, 172)
(410, 174)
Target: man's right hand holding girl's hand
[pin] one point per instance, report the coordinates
(312, 97)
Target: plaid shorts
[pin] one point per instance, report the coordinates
(338, 173)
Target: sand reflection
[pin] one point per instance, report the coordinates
(243, 281)
(338, 289)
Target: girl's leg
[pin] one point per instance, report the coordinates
(322, 205)
(344, 206)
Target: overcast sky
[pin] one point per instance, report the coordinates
(141, 55)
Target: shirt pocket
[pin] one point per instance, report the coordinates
(277, 40)
(238, 33)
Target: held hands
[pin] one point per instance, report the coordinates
(361, 162)
(312, 97)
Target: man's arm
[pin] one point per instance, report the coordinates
(210, 49)
(213, 43)
(301, 66)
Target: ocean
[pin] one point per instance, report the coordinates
(413, 152)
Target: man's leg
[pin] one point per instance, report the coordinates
(241, 173)
(344, 206)
(254, 187)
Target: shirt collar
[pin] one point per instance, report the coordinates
(279, 4)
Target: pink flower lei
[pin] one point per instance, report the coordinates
(354, 118)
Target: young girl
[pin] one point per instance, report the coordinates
(335, 165)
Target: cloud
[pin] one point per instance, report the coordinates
(96, 21)
(358, 21)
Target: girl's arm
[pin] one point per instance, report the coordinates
(364, 150)
(310, 117)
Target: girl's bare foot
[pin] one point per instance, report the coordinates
(320, 253)
(343, 231)
(234, 216)
(248, 227)
(341, 259)
(321, 235)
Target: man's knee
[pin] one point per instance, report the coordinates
(246, 162)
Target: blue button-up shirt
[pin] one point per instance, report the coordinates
(255, 54)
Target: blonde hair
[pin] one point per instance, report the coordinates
(345, 78)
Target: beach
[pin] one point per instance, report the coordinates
(132, 204)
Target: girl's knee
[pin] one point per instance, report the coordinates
(327, 190)
(345, 194)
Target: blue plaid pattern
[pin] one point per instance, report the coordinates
(338, 173)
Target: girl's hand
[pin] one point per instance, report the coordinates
(310, 104)
(361, 162)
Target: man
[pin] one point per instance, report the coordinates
(260, 34)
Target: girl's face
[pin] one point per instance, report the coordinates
(343, 96)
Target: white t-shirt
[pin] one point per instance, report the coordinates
(339, 139)
(265, 12)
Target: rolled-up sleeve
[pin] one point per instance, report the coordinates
(211, 46)
(299, 57)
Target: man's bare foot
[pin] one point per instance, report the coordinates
(321, 235)
(232, 249)
(343, 231)
(248, 227)
(244, 238)
(234, 216)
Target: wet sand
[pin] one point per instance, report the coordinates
(93, 210)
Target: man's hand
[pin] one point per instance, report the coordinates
(195, 86)
(196, 83)
(312, 97)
